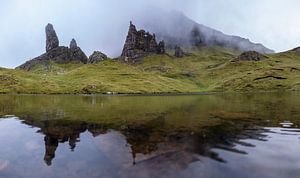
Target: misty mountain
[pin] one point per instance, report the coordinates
(177, 29)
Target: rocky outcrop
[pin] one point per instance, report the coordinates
(178, 52)
(76, 53)
(250, 56)
(296, 49)
(51, 38)
(56, 53)
(139, 44)
(96, 57)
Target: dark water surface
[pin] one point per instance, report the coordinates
(211, 136)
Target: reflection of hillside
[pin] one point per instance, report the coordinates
(91, 108)
(150, 142)
(181, 110)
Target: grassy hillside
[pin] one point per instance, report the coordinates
(206, 69)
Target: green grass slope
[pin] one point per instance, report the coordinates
(205, 70)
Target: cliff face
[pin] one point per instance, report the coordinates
(139, 44)
(56, 53)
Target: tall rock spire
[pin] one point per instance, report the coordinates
(51, 38)
(76, 52)
(73, 44)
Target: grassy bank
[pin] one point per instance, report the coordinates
(205, 70)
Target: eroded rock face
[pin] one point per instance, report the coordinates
(250, 56)
(56, 53)
(139, 44)
(51, 38)
(178, 52)
(60, 55)
(96, 57)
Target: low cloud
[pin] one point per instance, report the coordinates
(102, 25)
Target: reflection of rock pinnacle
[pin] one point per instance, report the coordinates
(133, 155)
(72, 142)
(50, 146)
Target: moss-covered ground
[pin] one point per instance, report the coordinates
(204, 70)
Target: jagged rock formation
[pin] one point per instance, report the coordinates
(139, 44)
(51, 38)
(250, 56)
(56, 53)
(96, 57)
(178, 52)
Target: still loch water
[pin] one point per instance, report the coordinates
(211, 136)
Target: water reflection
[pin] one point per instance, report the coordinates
(172, 136)
(61, 131)
(137, 149)
(152, 144)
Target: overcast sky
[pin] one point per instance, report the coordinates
(102, 24)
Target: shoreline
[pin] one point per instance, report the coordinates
(154, 94)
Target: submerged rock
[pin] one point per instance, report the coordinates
(96, 57)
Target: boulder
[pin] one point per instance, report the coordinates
(96, 57)
(161, 48)
(178, 52)
(250, 56)
(51, 38)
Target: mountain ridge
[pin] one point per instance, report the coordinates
(175, 29)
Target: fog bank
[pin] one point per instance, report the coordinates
(102, 25)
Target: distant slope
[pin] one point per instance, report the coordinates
(205, 70)
(176, 29)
